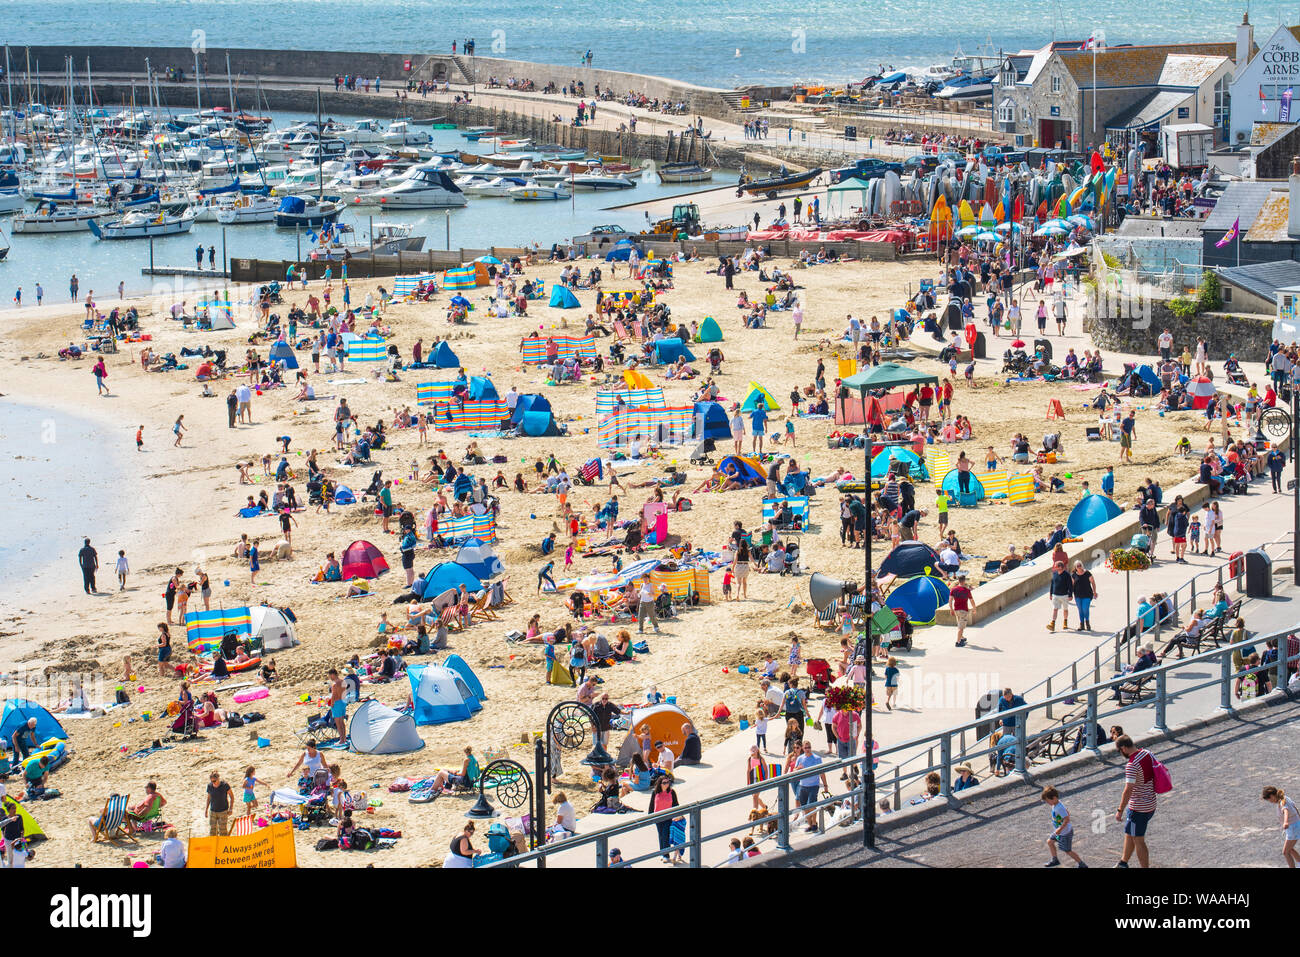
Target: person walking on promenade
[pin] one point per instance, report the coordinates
(961, 601)
(1062, 836)
(1137, 803)
(1290, 819)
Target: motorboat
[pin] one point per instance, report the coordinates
(599, 181)
(489, 185)
(361, 133)
(144, 224)
(388, 240)
(11, 201)
(400, 133)
(772, 185)
(967, 87)
(538, 192)
(473, 133)
(296, 212)
(425, 187)
(253, 208)
(684, 173)
(52, 217)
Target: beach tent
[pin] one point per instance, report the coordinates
(282, 352)
(444, 358)
(563, 298)
(921, 598)
(621, 251)
(363, 560)
(756, 395)
(749, 471)
(481, 389)
(18, 711)
(31, 830)
(1091, 512)
(709, 330)
(446, 575)
(376, 728)
(915, 465)
(344, 496)
(479, 560)
(1148, 375)
(668, 350)
(273, 627)
(529, 403)
(908, 560)
(457, 664)
(711, 421)
(537, 424)
(637, 380)
(949, 485)
(663, 721)
(440, 695)
(221, 319)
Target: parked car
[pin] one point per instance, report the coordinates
(867, 167)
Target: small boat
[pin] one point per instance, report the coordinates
(143, 224)
(514, 146)
(554, 151)
(599, 181)
(427, 187)
(389, 239)
(4, 250)
(399, 133)
(774, 184)
(253, 208)
(305, 211)
(361, 133)
(488, 185)
(50, 217)
(475, 133)
(684, 173)
(967, 87)
(538, 192)
(11, 200)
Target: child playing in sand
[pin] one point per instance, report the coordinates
(727, 579)
(1184, 447)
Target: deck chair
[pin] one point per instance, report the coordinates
(112, 823)
(480, 611)
(243, 826)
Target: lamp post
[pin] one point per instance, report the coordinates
(566, 726)
(514, 789)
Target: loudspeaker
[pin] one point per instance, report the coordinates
(825, 591)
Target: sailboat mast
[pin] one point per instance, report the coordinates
(198, 92)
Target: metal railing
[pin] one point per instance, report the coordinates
(1118, 650)
(1014, 758)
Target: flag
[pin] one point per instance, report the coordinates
(1284, 113)
(1263, 103)
(1230, 235)
(1090, 43)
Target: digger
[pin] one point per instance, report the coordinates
(685, 222)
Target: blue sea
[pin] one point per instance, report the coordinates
(712, 44)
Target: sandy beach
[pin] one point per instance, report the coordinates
(178, 509)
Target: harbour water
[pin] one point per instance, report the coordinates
(777, 42)
(100, 265)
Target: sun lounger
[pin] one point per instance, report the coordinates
(112, 823)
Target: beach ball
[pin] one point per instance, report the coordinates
(227, 583)
(726, 671)
(140, 689)
(742, 669)
(532, 515)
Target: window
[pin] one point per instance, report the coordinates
(1227, 293)
(1056, 84)
(1007, 112)
(1222, 100)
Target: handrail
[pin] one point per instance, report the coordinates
(1120, 645)
(857, 796)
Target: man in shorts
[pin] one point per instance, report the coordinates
(338, 707)
(961, 602)
(1137, 805)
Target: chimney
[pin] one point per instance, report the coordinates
(1245, 40)
(1293, 200)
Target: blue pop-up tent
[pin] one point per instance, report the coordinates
(481, 387)
(18, 711)
(951, 486)
(1092, 512)
(447, 575)
(444, 358)
(440, 695)
(909, 559)
(711, 421)
(563, 298)
(537, 424)
(920, 598)
(668, 350)
(529, 403)
(479, 559)
(282, 352)
(915, 465)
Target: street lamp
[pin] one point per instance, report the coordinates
(566, 726)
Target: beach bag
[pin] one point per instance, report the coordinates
(641, 648)
(1161, 779)
(327, 844)
(233, 720)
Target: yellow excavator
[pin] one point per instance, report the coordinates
(685, 221)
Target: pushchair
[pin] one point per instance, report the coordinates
(376, 483)
(819, 673)
(185, 725)
(1015, 361)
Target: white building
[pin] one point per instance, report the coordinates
(1258, 87)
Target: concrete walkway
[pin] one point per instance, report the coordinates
(1214, 817)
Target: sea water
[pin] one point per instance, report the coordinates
(830, 40)
(62, 479)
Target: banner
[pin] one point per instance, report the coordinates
(1284, 114)
(272, 846)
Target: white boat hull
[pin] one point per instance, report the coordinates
(48, 225)
(533, 194)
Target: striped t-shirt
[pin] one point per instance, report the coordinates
(1140, 772)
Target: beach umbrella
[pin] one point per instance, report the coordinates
(1080, 219)
(965, 231)
(1018, 344)
(1007, 228)
(986, 236)
(1051, 231)
(488, 259)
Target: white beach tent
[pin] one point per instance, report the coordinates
(378, 729)
(480, 559)
(440, 695)
(273, 627)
